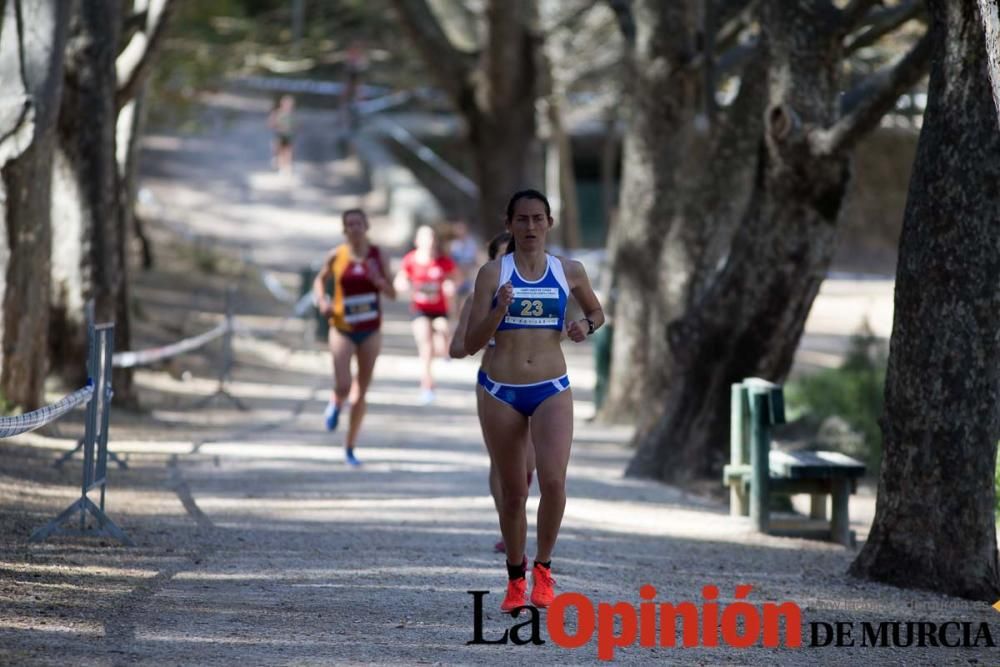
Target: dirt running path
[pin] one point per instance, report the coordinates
(256, 545)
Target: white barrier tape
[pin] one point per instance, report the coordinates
(274, 286)
(279, 292)
(143, 357)
(301, 308)
(11, 426)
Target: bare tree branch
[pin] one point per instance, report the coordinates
(990, 15)
(709, 27)
(21, 62)
(855, 12)
(882, 22)
(730, 10)
(595, 72)
(732, 26)
(509, 42)
(736, 57)
(136, 20)
(133, 63)
(452, 66)
(571, 19)
(753, 87)
(18, 137)
(626, 20)
(886, 85)
(459, 22)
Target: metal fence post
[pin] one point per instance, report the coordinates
(89, 317)
(226, 355)
(759, 461)
(738, 454)
(95, 447)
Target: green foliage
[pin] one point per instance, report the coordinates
(853, 392)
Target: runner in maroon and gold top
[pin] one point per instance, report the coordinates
(360, 276)
(356, 310)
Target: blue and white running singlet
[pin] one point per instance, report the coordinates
(539, 304)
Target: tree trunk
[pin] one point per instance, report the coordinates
(86, 252)
(750, 320)
(560, 153)
(132, 67)
(661, 98)
(39, 32)
(560, 179)
(610, 156)
(989, 10)
(685, 181)
(503, 152)
(128, 131)
(934, 522)
(495, 95)
(503, 128)
(746, 318)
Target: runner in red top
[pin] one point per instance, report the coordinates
(429, 276)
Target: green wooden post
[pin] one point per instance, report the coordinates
(759, 455)
(817, 506)
(306, 277)
(603, 340)
(840, 527)
(738, 454)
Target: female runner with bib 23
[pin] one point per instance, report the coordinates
(360, 276)
(520, 300)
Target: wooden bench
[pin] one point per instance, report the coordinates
(757, 405)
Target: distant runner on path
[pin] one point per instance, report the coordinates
(360, 276)
(282, 122)
(520, 299)
(457, 351)
(429, 275)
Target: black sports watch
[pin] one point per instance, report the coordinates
(590, 326)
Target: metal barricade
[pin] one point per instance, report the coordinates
(226, 364)
(95, 449)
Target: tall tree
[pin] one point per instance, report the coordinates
(99, 124)
(31, 66)
(150, 19)
(934, 519)
(494, 89)
(687, 169)
(578, 51)
(744, 315)
(86, 264)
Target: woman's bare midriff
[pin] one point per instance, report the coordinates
(525, 356)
